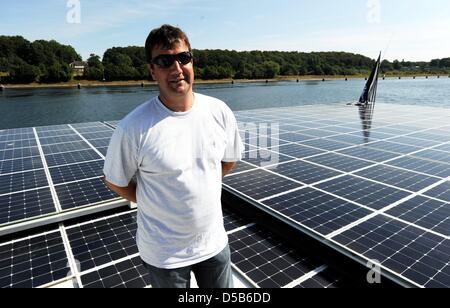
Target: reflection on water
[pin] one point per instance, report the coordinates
(366, 115)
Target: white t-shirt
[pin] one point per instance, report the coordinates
(176, 158)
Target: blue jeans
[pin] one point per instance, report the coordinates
(212, 273)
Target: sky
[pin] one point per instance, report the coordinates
(410, 30)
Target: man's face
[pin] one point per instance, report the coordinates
(176, 80)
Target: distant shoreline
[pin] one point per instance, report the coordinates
(139, 83)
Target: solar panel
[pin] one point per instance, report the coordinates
(408, 180)
(316, 210)
(71, 157)
(24, 205)
(20, 164)
(422, 165)
(259, 184)
(441, 192)
(83, 193)
(340, 162)
(76, 172)
(21, 181)
(33, 262)
(304, 172)
(102, 241)
(125, 274)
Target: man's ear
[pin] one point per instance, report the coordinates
(151, 69)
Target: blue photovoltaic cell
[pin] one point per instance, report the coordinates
(340, 162)
(304, 172)
(408, 251)
(103, 150)
(259, 184)
(99, 143)
(23, 205)
(293, 137)
(22, 181)
(55, 133)
(298, 151)
(59, 139)
(103, 241)
(262, 158)
(430, 136)
(327, 145)
(370, 194)
(52, 128)
(16, 137)
(439, 156)
(428, 213)
(441, 191)
(414, 141)
(374, 134)
(33, 262)
(71, 157)
(352, 139)
(232, 220)
(369, 153)
(444, 147)
(16, 131)
(9, 145)
(83, 193)
(20, 164)
(19, 153)
(316, 210)
(318, 133)
(126, 274)
(98, 135)
(268, 260)
(242, 166)
(76, 172)
(65, 147)
(398, 177)
(422, 165)
(394, 147)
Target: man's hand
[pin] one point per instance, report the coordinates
(227, 167)
(128, 192)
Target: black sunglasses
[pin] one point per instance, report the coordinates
(166, 61)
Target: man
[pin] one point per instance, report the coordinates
(179, 146)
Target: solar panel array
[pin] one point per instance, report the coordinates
(46, 172)
(379, 195)
(375, 189)
(102, 253)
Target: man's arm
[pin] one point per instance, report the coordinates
(128, 192)
(227, 167)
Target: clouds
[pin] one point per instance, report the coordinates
(416, 30)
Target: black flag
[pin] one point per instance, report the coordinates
(369, 93)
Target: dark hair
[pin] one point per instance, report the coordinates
(164, 37)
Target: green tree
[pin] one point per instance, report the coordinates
(95, 69)
(270, 69)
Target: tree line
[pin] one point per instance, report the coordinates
(43, 61)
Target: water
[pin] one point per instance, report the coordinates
(37, 107)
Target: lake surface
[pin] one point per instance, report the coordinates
(37, 107)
